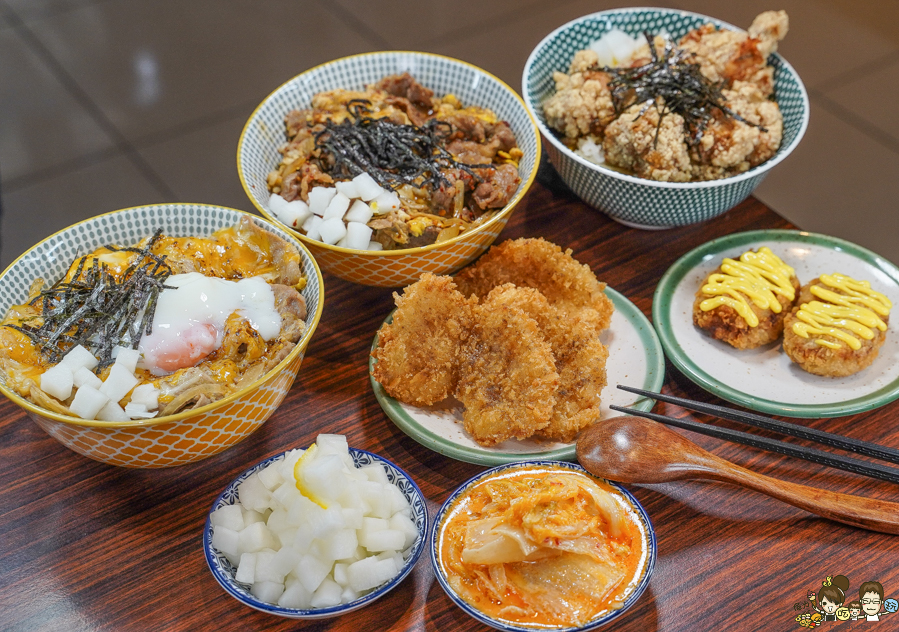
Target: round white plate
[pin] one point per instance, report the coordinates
(764, 379)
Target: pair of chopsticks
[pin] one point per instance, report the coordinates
(856, 446)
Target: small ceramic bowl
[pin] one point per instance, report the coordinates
(223, 570)
(628, 199)
(641, 581)
(174, 439)
(257, 155)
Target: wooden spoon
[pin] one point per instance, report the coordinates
(636, 450)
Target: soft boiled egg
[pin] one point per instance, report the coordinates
(189, 321)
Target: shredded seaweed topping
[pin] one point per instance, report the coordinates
(671, 82)
(97, 310)
(392, 153)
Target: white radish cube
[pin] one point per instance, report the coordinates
(340, 544)
(246, 570)
(369, 573)
(257, 536)
(285, 467)
(303, 538)
(118, 383)
(58, 381)
(297, 213)
(253, 494)
(277, 520)
(268, 592)
(287, 537)
(327, 521)
(127, 357)
(342, 243)
(340, 575)
(367, 188)
(134, 411)
(78, 357)
(302, 511)
(146, 394)
(270, 476)
(311, 571)
(227, 542)
(386, 202)
(230, 516)
(312, 227)
(332, 444)
(373, 494)
(352, 516)
(324, 476)
(401, 523)
(250, 516)
(285, 494)
(359, 212)
(375, 524)
(295, 596)
(375, 245)
(358, 236)
(113, 412)
(267, 570)
(327, 594)
(276, 205)
(331, 231)
(320, 198)
(337, 207)
(375, 473)
(88, 402)
(378, 541)
(84, 376)
(397, 500)
(347, 188)
(348, 595)
(286, 559)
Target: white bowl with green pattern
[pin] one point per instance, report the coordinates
(628, 199)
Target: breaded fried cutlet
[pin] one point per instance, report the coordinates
(542, 265)
(744, 302)
(507, 376)
(417, 353)
(837, 327)
(580, 359)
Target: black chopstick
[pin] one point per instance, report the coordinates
(849, 444)
(874, 470)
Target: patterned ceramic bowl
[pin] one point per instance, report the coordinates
(635, 201)
(257, 155)
(224, 571)
(638, 585)
(175, 439)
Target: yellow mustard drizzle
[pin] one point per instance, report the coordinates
(761, 276)
(846, 316)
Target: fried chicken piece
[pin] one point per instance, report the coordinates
(541, 265)
(580, 359)
(636, 142)
(417, 353)
(582, 103)
(507, 376)
(730, 56)
(822, 360)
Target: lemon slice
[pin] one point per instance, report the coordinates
(298, 475)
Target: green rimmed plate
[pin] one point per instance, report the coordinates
(635, 359)
(765, 379)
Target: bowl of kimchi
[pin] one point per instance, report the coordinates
(502, 541)
(213, 306)
(452, 148)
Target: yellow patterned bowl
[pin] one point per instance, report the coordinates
(175, 439)
(257, 155)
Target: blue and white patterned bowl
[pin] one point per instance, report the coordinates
(506, 626)
(257, 155)
(636, 201)
(223, 570)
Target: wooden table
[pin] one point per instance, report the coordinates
(86, 546)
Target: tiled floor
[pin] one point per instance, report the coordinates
(112, 103)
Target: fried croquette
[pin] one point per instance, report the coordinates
(541, 265)
(744, 302)
(579, 355)
(507, 375)
(830, 333)
(417, 353)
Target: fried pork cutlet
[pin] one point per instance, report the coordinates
(417, 353)
(507, 376)
(580, 359)
(831, 332)
(725, 307)
(543, 266)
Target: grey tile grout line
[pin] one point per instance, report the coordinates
(855, 120)
(859, 72)
(145, 142)
(120, 142)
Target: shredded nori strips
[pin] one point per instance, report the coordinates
(97, 310)
(681, 85)
(392, 153)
